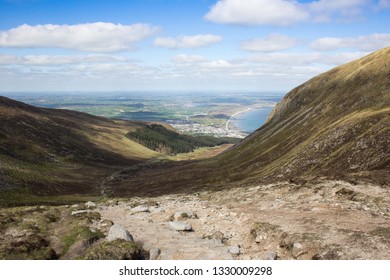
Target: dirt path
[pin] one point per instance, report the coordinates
(330, 219)
(152, 230)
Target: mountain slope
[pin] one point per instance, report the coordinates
(49, 151)
(336, 124)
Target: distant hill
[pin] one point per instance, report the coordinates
(336, 124)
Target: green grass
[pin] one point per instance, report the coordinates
(34, 232)
(78, 233)
(115, 250)
(23, 197)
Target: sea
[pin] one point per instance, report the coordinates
(251, 120)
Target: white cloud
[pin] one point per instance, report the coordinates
(187, 59)
(47, 60)
(305, 59)
(257, 12)
(271, 43)
(200, 63)
(370, 42)
(6, 59)
(92, 37)
(289, 12)
(194, 41)
(260, 71)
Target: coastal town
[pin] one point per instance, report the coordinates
(201, 129)
(228, 129)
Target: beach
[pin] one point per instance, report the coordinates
(248, 120)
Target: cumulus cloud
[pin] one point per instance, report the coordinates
(271, 43)
(257, 12)
(194, 41)
(370, 42)
(92, 37)
(289, 12)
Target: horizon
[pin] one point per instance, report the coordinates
(268, 46)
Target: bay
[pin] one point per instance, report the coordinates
(251, 120)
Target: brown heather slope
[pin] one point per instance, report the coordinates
(336, 125)
(49, 151)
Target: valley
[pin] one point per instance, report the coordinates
(311, 183)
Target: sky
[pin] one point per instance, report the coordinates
(182, 45)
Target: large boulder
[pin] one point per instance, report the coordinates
(119, 232)
(90, 204)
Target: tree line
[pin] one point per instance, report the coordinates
(158, 138)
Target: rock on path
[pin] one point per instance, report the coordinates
(180, 226)
(153, 231)
(119, 232)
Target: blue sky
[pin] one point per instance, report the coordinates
(182, 45)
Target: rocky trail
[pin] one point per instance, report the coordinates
(322, 220)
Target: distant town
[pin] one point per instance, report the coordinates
(200, 129)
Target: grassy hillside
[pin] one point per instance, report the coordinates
(48, 151)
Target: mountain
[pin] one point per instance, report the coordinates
(336, 124)
(51, 151)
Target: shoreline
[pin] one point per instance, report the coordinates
(234, 115)
(236, 131)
